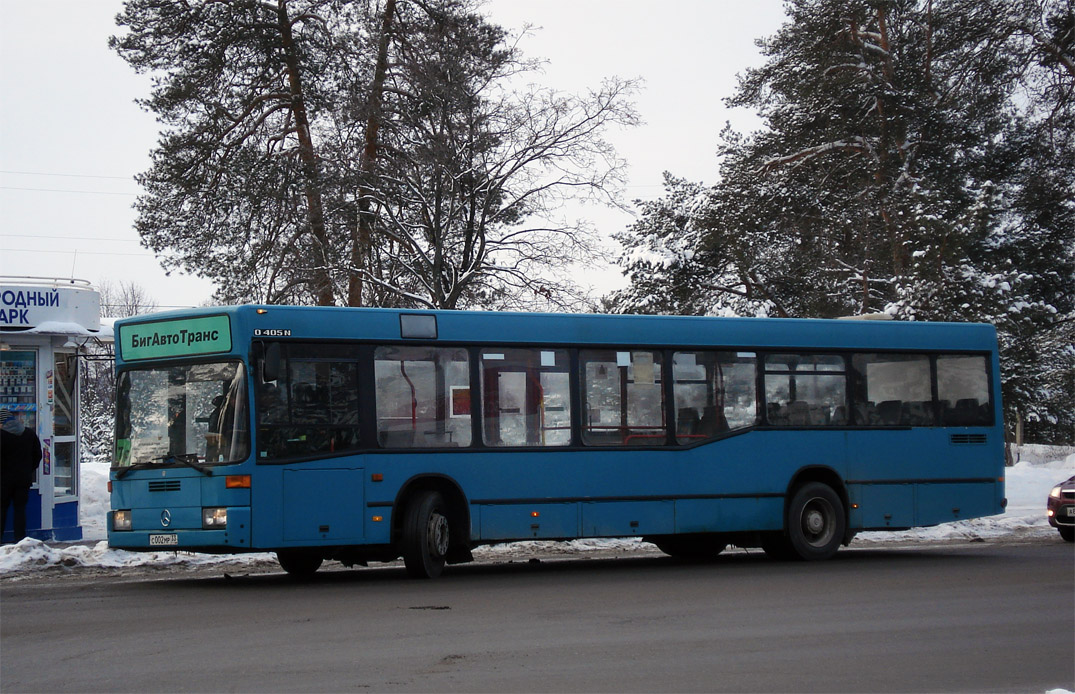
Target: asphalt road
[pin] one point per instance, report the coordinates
(984, 617)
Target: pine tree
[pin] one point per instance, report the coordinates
(902, 170)
(369, 153)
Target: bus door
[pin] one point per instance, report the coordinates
(310, 480)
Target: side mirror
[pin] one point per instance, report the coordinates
(270, 363)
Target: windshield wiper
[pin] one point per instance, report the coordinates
(136, 466)
(188, 459)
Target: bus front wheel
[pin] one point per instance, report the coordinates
(815, 522)
(690, 547)
(299, 563)
(425, 535)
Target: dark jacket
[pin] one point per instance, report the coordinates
(19, 456)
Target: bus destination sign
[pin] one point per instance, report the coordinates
(175, 338)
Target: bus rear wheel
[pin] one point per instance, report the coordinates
(299, 563)
(426, 535)
(815, 522)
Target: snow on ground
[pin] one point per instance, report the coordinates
(35, 554)
(1028, 483)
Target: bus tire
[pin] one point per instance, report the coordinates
(299, 563)
(776, 546)
(815, 522)
(425, 535)
(690, 547)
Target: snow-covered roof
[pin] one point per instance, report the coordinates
(53, 327)
(70, 329)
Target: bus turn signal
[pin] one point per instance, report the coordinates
(237, 482)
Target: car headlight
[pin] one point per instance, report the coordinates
(121, 520)
(1056, 491)
(214, 518)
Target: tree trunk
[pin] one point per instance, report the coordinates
(321, 279)
(362, 236)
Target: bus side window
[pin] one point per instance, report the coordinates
(312, 407)
(804, 390)
(622, 398)
(893, 390)
(715, 392)
(526, 397)
(423, 397)
(963, 390)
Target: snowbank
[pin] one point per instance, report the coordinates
(94, 502)
(1028, 485)
(31, 554)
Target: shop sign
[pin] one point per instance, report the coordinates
(25, 307)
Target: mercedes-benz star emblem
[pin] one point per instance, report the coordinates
(166, 518)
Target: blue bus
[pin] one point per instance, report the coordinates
(372, 434)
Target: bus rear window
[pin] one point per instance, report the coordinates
(963, 390)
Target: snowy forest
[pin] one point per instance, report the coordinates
(916, 158)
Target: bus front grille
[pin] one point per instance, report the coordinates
(164, 486)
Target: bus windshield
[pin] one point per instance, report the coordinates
(189, 413)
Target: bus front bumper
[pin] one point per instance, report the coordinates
(174, 530)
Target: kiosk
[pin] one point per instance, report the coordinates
(45, 324)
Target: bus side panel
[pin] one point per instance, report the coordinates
(529, 521)
(877, 506)
(627, 518)
(729, 515)
(940, 503)
(266, 501)
(323, 505)
(886, 455)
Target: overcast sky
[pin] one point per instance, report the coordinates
(71, 138)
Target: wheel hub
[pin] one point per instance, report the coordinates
(817, 522)
(438, 534)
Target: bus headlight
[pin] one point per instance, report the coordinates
(121, 520)
(214, 518)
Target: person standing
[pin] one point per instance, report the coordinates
(20, 453)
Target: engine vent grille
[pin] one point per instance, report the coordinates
(164, 485)
(968, 439)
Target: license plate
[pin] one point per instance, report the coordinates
(163, 540)
(1071, 511)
